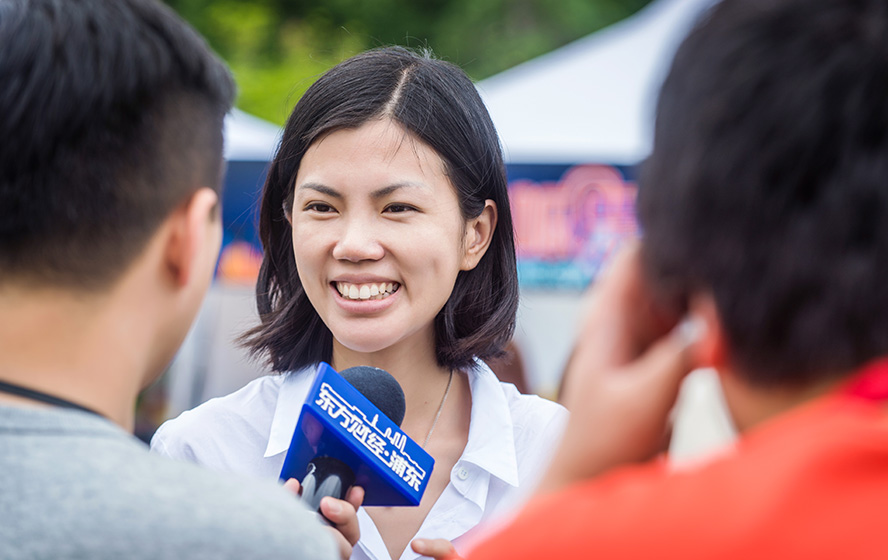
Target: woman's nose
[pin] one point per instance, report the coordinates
(358, 242)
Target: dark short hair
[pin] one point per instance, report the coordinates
(111, 115)
(768, 183)
(438, 104)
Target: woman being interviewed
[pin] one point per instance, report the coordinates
(388, 242)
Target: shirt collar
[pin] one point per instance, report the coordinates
(291, 397)
(491, 444)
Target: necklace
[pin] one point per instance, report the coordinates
(440, 408)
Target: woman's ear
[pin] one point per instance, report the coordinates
(287, 208)
(479, 233)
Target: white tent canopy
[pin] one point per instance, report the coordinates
(591, 101)
(249, 138)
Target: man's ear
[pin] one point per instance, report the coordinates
(190, 230)
(479, 233)
(711, 348)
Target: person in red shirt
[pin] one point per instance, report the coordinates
(765, 256)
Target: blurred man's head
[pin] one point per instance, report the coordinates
(110, 117)
(768, 183)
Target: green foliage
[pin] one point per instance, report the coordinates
(276, 48)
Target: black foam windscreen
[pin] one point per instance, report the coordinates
(380, 388)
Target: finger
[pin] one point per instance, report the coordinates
(344, 517)
(355, 496)
(345, 548)
(655, 379)
(622, 262)
(293, 486)
(434, 548)
(667, 362)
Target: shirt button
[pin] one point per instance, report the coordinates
(462, 474)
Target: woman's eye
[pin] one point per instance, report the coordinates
(319, 207)
(399, 208)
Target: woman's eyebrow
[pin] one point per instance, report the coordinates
(386, 191)
(323, 189)
(377, 194)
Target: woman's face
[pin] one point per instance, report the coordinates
(378, 236)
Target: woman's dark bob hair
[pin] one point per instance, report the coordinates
(438, 104)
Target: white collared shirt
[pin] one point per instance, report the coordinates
(511, 437)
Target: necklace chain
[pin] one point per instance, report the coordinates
(440, 408)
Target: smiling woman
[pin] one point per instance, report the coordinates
(373, 207)
(388, 242)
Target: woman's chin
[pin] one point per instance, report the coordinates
(364, 345)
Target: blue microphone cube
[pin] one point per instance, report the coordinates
(338, 421)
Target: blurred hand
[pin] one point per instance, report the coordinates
(434, 548)
(342, 513)
(622, 379)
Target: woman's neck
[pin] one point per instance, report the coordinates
(412, 362)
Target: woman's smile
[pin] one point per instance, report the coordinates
(363, 299)
(374, 291)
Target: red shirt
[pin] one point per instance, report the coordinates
(811, 483)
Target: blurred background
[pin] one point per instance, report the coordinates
(277, 48)
(571, 87)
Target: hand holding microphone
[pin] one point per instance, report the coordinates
(340, 514)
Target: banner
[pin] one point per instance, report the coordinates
(569, 220)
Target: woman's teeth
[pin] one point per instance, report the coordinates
(367, 291)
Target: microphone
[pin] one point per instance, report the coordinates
(328, 476)
(349, 433)
(380, 388)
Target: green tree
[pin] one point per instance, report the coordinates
(277, 48)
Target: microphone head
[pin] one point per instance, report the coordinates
(380, 388)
